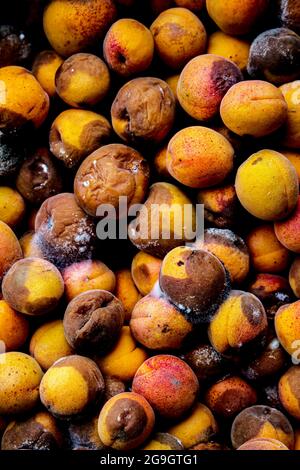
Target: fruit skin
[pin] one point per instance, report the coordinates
(267, 173)
(234, 17)
(163, 441)
(14, 327)
(179, 36)
(148, 104)
(253, 107)
(84, 435)
(289, 391)
(128, 47)
(287, 325)
(275, 57)
(287, 230)
(239, 325)
(38, 432)
(72, 387)
(221, 205)
(294, 157)
(20, 377)
(158, 325)
(263, 444)
(229, 47)
(199, 157)
(87, 275)
(24, 100)
(83, 80)
(198, 427)
(12, 206)
(289, 14)
(260, 421)
(33, 286)
(145, 270)
(72, 26)
(44, 68)
(126, 291)
(294, 276)
(266, 253)
(229, 396)
(195, 281)
(291, 133)
(202, 85)
(13, 150)
(124, 359)
(76, 133)
(169, 385)
(48, 344)
(134, 429)
(206, 362)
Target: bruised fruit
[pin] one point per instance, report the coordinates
(44, 69)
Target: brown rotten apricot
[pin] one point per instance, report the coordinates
(76, 133)
(195, 281)
(128, 47)
(44, 68)
(199, 157)
(221, 205)
(33, 286)
(93, 321)
(229, 47)
(73, 25)
(110, 172)
(206, 362)
(143, 110)
(203, 83)
(179, 35)
(125, 421)
(83, 435)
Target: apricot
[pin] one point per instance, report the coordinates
(172, 81)
(39, 177)
(125, 421)
(294, 157)
(128, 47)
(143, 110)
(84, 435)
(179, 36)
(83, 80)
(253, 107)
(13, 149)
(230, 249)
(157, 324)
(289, 393)
(73, 386)
(234, 17)
(229, 47)
(29, 246)
(48, 344)
(203, 83)
(267, 254)
(261, 422)
(124, 359)
(126, 291)
(198, 427)
(10, 250)
(160, 161)
(76, 133)
(169, 385)
(291, 133)
(195, 281)
(113, 386)
(220, 205)
(23, 99)
(274, 56)
(12, 206)
(229, 396)
(72, 26)
(145, 270)
(287, 325)
(33, 286)
(272, 290)
(14, 327)
(110, 172)
(44, 68)
(65, 234)
(87, 275)
(289, 14)
(287, 230)
(20, 377)
(93, 321)
(38, 432)
(163, 441)
(206, 362)
(167, 220)
(239, 325)
(263, 444)
(199, 157)
(267, 186)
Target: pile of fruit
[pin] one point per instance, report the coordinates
(149, 341)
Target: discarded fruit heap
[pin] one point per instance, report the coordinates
(150, 342)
